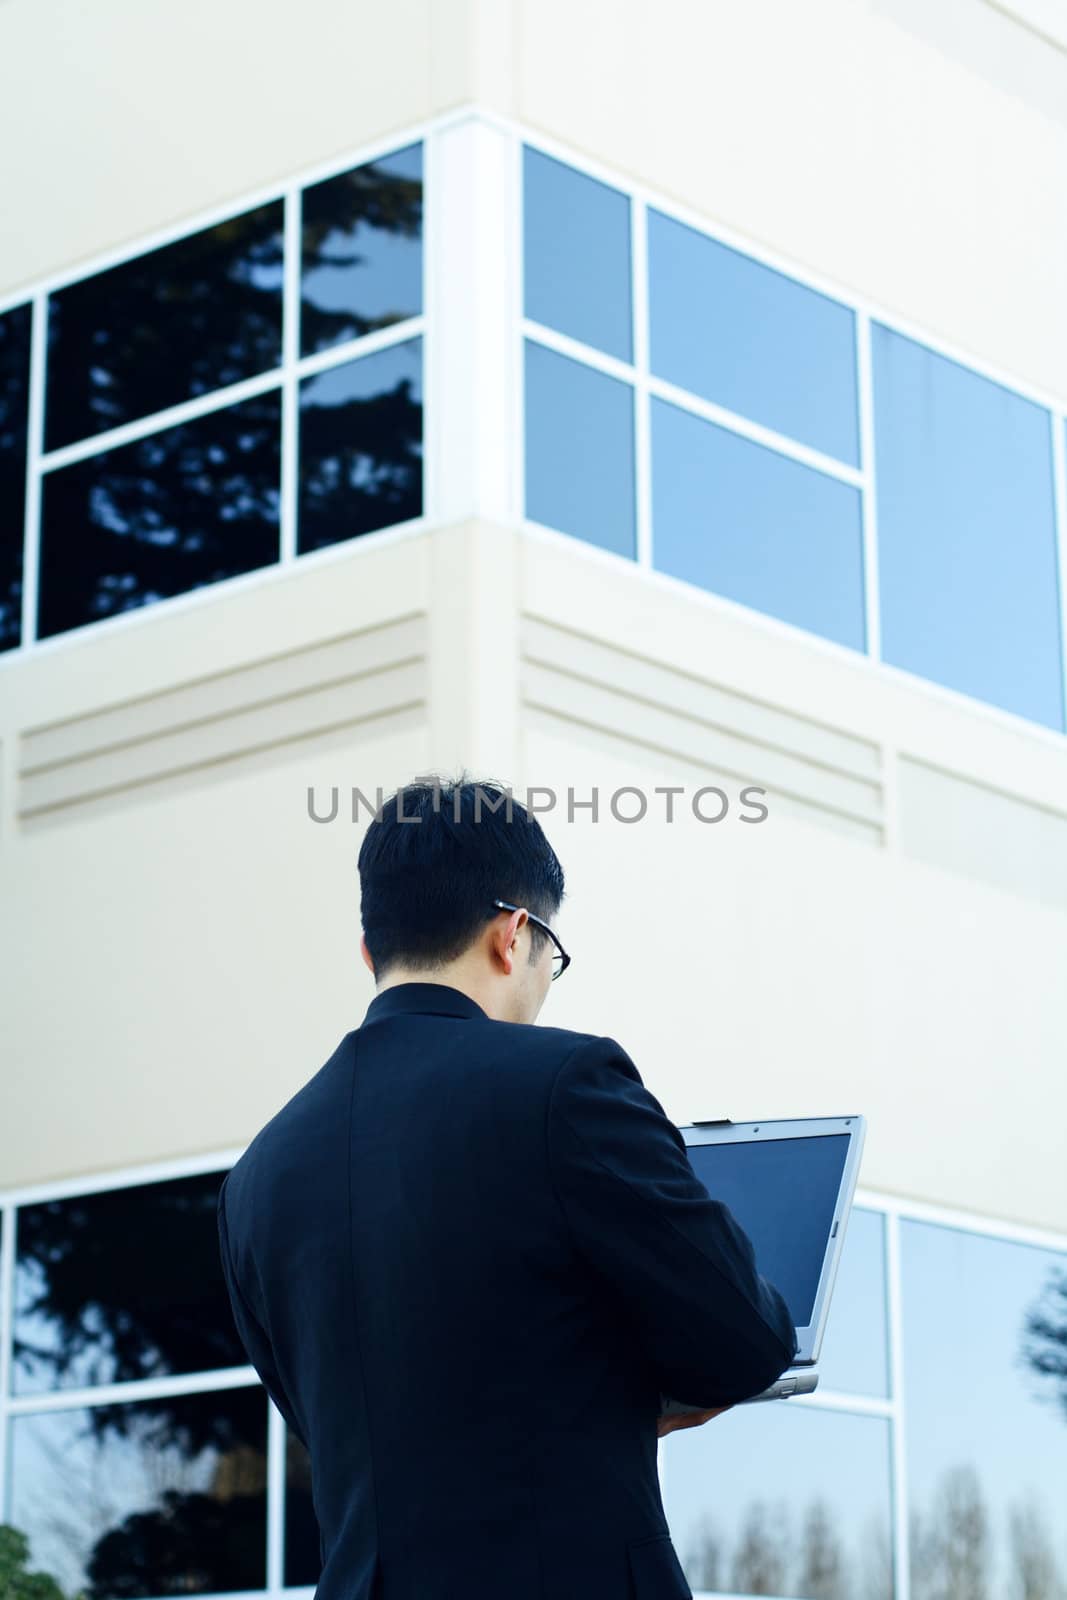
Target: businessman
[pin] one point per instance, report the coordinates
(470, 1254)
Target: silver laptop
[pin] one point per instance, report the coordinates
(789, 1184)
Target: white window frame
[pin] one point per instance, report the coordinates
(284, 378)
(637, 374)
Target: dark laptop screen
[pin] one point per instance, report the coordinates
(782, 1192)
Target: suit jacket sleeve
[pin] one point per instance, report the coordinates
(251, 1333)
(677, 1260)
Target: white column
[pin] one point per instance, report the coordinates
(472, 357)
(473, 447)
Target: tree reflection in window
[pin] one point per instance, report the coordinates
(179, 509)
(199, 501)
(986, 1437)
(361, 446)
(781, 1499)
(119, 1286)
(169, 325)
(361, 250)
(1044, 1339)
(787, 1545)
(150, 1497)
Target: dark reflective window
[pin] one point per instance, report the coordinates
(171, 512)
(966, 531)
(783, 1499)
(576, 254)
(303, 1563)
(579, 450)
(153, 1497)
(985, 1375)
(753, 525)
(361, 446)
(121, 1285)
(855, 1349)
(362, 250)
(749, 338)
(178, 322)
(14, 399)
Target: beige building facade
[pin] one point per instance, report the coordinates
(180, 766)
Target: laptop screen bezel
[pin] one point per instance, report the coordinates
(809, 1337)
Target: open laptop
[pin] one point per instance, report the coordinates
(789, 1184)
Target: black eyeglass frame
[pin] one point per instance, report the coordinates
(503, 905)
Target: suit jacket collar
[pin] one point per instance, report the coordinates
(427, 999)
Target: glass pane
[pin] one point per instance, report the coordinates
(755, 526)
(177, 510)
(985, 1375)
(855, 1348)
(155, 1497)
(747, 337)
(361, 446)
(782, 1499)
(303, 1559)
(966, 531)
(14, 399)
(576, 255)
(362, 250)
(579, 451)
(121, 1285)
(175, 323)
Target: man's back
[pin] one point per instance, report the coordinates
(466, 1258)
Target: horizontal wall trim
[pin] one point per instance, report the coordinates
(626, 747)
(213, 721)
(582, 680)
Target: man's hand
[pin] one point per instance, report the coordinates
(688, 1419)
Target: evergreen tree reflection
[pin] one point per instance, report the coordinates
(180, 321)
(167, 513)
(361, 447)
(192, 504)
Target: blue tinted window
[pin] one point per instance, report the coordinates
(782, 1499)
(855, 1352)
(579, 450)
(966, 538)
(361, 446)
(361, 250)
(755, 526)
(576, 254)
(173, 511)
(14, 402)
(984, 1339)
(748, 338)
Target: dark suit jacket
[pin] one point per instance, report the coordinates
(465, 1259)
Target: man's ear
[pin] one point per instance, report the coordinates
(502, 939)
(365, 953)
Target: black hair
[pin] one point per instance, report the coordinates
(436, 855)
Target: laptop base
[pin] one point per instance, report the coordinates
(797, 1381)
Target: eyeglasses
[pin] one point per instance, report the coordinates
(560, 960)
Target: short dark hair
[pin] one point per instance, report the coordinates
(428, 886)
